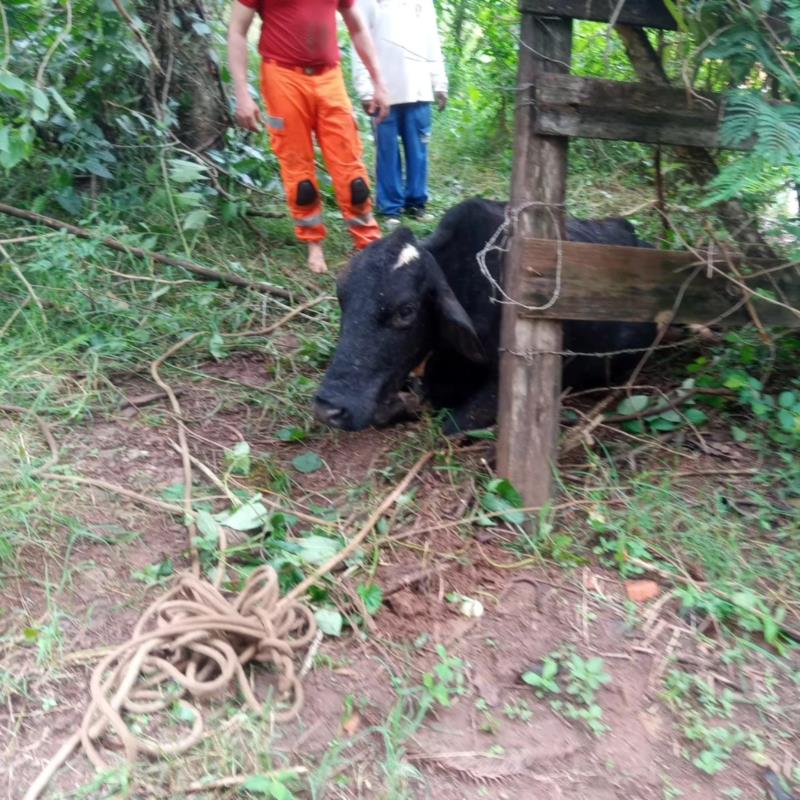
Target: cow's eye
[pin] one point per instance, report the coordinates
(404, 315)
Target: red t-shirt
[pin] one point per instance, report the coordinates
(299, 33)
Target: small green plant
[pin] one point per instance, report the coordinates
(488, 722)
(716, 742)
(518, 710)
(543, 679)
(237, 459)
(502, 502)
(445, 681)
(662, 418)
(618, 546)
(581, 678)
(273, 786)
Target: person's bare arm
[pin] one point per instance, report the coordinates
(247, 112)
(362, 41)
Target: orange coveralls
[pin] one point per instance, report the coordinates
(301, 101)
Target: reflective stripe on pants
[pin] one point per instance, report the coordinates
(297, 106)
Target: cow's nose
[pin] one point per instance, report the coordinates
(330, 413)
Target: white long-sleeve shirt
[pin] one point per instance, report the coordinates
(409, 51)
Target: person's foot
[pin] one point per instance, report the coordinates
(391, 222)
(419, 214)
(316, 258)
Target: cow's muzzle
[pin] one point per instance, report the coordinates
(332, 414)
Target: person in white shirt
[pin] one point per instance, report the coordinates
(410, 59)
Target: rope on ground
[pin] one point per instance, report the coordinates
(199, 642)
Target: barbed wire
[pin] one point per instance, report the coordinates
(500, 243)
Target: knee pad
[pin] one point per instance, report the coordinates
(359, 191)
(306, 193)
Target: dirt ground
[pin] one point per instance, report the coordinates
(497, 738)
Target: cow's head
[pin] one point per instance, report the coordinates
(396, 307)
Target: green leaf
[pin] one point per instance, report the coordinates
(238, 458)
(195, 220)
(786, 399)
(189, 199)
(41, 105)
(247, 517)
(207, 525)
(307, 462)
(316, 550)
(372, 595)
(293, 434)
(505, 489)
(216, 346)
(487, 433)
(182, 171)
(15, 145)
(696, 416)
(549, 668)
(61, 103)
(268, 786)
(663, 425)
(634, 404)
(173, 493)
(673, 9)
(97, 168)
(280, 792)
(502, 509)
(739, 434)
(788, 420)
(11, 84)
(329, 621)
(736, 380)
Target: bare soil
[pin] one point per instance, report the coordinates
(82, 589)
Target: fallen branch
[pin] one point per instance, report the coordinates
(257, 212)
(184, 450)
(362, 534)
(237, 780)
(139, 252)
(145, 399)
(139, 35)
(114, 488)
(46, 433)
(284, 319)
(18, 272)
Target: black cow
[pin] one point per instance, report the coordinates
(402, 301)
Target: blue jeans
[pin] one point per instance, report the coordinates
(411, 124)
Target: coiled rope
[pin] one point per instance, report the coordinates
(197, 640)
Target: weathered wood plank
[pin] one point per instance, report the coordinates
(647, 13)
(599, 109)
(529, 391)
(634, 284)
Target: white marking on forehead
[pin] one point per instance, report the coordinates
(407, 255)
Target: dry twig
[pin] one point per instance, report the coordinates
(139, 252)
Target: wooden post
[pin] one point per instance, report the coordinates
(530, 378)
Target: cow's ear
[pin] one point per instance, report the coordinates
(455, 326)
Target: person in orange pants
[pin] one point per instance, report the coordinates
(304, 93)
